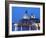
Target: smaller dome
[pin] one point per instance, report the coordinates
(32, 16)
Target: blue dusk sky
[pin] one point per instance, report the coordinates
(18, 12)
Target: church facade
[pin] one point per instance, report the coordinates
(27, 23)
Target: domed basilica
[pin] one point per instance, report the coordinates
(27, 23)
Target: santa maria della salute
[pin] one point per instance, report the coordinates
(27, 23)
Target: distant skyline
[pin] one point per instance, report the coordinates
(18, 12)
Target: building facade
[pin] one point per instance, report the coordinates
(27, 23)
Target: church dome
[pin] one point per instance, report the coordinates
(33, 16)
(26, 16)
